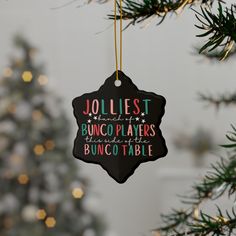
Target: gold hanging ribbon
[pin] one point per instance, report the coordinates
(115, 36)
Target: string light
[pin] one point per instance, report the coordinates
(42, 80)
(7, 72)
(27, 76)
(50, 222)
(39, 149)
(41, 214)
(49, 144)
(224, 219)
(23, 179)
(221, 219)
(196, 213)
(77, 193)
(37, 115)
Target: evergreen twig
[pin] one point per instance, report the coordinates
(224, 99)
(193, 221)
(220, 28)
(139, 11)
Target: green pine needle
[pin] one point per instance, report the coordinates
(220, 29)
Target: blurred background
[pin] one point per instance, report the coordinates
(75, 46)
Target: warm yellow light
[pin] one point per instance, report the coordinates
(196, 213)
(49, 144)
(224, 219)
(221, 219)
(41, 214)
(77, 193)
(43, 80)
(37, 115)
(7, 72)
(23, 179)
(39, 149)
(50, 222)
(27, 76)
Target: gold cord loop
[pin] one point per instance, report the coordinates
(115, 36)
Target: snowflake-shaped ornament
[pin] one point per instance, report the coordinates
(119, 127)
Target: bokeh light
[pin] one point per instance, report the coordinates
(27, 76)
(42, 80)
(23, 179)
(39, 149)
(7, 72)
(41, 214)
(78, 193)
(50, 222)
(49, 144)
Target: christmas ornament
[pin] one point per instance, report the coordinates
(119, 127)
(119, 124)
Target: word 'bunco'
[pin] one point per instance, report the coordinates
(115, 150)
(141, 130)
(121, 106)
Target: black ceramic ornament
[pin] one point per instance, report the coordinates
(119, 127)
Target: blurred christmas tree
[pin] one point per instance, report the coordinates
(42, 192)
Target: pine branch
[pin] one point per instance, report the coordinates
(222, 177)
(214, 225)
(215, 55)
(175, 221)
(217, 225)
(137, 12)
(220, 29)
(188, 223)
(229, 99)
(191, 221)
(231, 136)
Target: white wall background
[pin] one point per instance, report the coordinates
(158, 59)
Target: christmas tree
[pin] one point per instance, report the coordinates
(42, 192)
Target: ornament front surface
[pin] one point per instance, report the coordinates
(119, 127)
